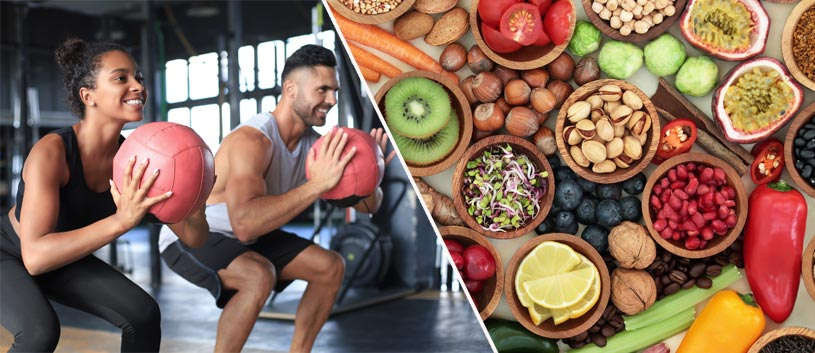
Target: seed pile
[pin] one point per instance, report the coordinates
(371, 7)
(803, 43)
(790, 344)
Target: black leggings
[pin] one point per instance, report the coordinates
(89, 285)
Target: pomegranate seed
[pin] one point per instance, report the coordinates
(707, 233)
(666, 233)
(702, 189)
(718, 173)
(707, 199)
(693, 233)
(698, 220)
(691, 166)
(682, 172)
(673, 225)
(692, 208)
(660, 224)
(666, 195)
(680, 194)
(672, 175)
(706, 176)
(657, 189)
(723, 212)
(703, 244)
(729, 203)
(675, 202)
(677, 185)
(709, 216)
(689, 225)
(718, 227)
(729, 192)
(655, 202)
(692, 243)
(683, 211)
(693, 185)
(664, 182)
(719, 199)
(730, 221)
(677, 235)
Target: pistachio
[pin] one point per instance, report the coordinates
(578, 156)
(619, 131)
(571, 136)
(604, 167)
(643, 137)
(595, 101)
(610, 93)
(614, 148)
(597, 114)
(636, 117)
(578, 111)
(586, 128)
(621, 114)
(632, 147)
(594, 151)
(604, 129)
(622, 161)
(642, 125)
(610, 106)
(632, 100)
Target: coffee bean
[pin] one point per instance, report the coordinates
(599, 340)
(733, 258)
(704, 283)
(684, 261)
(671, 288)
(594, 329)
(582, 336)
(678, 276)
(713, 270)
(722, 261)
(689, 284)
(806, 172)
(697, 270)
(607, 331)
(666, 279)
(666, 257)
(799, 164)
(799, 142)
(811, 144)
(809, 134)
(811, 162)
(616, 323)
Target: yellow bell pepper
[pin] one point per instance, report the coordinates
(730, 323)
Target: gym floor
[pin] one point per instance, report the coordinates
(428, 321)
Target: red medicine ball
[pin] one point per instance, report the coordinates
(362, 174)
(185, 161)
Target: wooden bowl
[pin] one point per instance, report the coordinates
(348, 13)
(784, 331)
(802, 118)
(635, 37)
(571, 327)
(649, 149)
(526, 58)
(718, 243)
(489, 297)
(806, 268)
(519, 145)
(460, 105)
(786, 43)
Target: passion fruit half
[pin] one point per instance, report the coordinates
(756, 99)
(731, 30)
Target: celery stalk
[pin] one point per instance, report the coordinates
(632, 341)
(679, 301)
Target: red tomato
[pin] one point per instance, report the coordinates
(490, 11)
(478, 263)
(522, 23)
(543, 5)
(458, 259)
(558, 20)
(543, 39)
(769, 161)
(474, 286)
(496, 41)
(671, 143)
(453, 245)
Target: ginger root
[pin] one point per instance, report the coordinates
(441, 206)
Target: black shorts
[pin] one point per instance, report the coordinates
(200, 266)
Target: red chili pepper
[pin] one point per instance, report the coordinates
(677, 137)
(768, 163)
(773, 242)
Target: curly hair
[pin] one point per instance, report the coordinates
(79, 61)
(309, 55)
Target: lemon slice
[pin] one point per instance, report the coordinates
(587, 302)
(546, 259)
(538, 313)
(561, 290)
(560, 316)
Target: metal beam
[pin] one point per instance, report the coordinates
(235, 29)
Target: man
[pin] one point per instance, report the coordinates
(260, 187)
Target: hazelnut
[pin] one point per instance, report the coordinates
(578, 111)
(453, 57)
(467, 87)
(561, 90)
(488, 117)
(586, 71)
(535, 77)
(543, 100)
(571, 136)
(505, 74)
(502, 104)
(579, 157)
(562, 67)
(632, 291)
(477, 61)
(521, 121)
(545, 141)
(486, 87)
(516, 92)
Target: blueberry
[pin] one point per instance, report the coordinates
(631, 208)
(810, 144)
(806, 172)
(608, 191)
(564, 173)
(568, 194)
(799, 164)
(554, 161)
(565, 222)
(586, 210)
(809, 135)
(608, 213)
(799, 142)
(635, 185)
(545, 226)
(596, 236)
(807, 154)
(587, 186)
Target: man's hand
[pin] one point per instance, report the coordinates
(327, 163)
(382, 140)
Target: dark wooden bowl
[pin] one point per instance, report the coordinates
(526, 58)
(806, 268)
(784, 331)
(786, 43)
(802, 118)
(460, 105)
(718, 243)
(649, 149)
(652, 33)
(571, 327)
(489, 297)
(391, 15)
(519, 145)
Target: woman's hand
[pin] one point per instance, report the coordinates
(132, 202)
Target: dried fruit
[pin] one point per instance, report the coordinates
(727, 29)
(755, 100)
(632, 291)
(632, 247)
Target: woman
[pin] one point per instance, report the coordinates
(67, 208)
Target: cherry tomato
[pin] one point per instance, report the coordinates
(496, 41)
(478, 263)
(490, 11)
(474, 286)
(542, 5)
(769, 162)
(558, 20)
(458, 259)
(676, 138)
(522, 23)
(453, 245)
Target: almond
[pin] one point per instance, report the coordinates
(412, 25)
(449, 28)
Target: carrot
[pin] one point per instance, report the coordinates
(369, 74)
(365, 58)
(378, 38)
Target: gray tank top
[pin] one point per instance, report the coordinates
(287, 170)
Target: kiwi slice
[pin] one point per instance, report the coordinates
(417, 107)
(432, 149)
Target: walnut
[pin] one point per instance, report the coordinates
(632, 291)
(631, 246)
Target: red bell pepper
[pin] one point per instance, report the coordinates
(773, 242)
(768, 163)
(676, 138)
